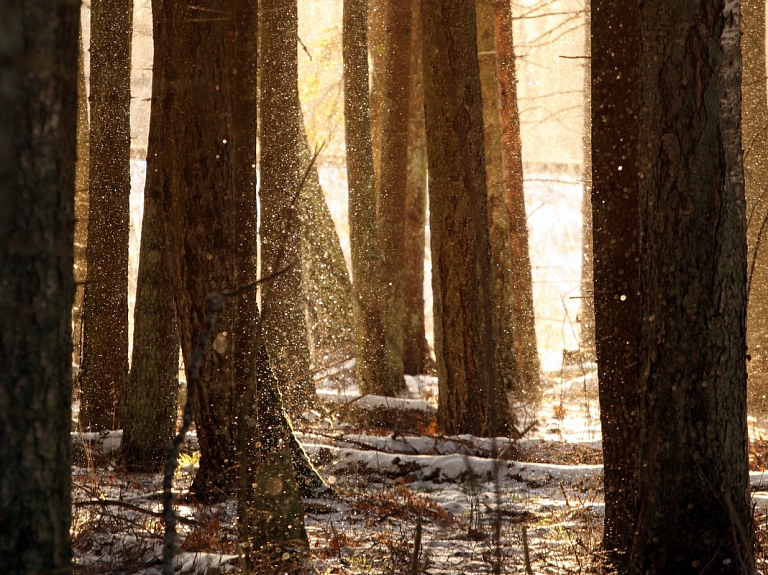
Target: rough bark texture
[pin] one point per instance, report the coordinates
(150, 401)
(104, 369)
(327, 287)
(754, 124)
(471, 398)
(369, 333)
(616, 233)
(200, 225)
(393, 175)
(417, 359)
(285, 325)
(694, 508)
(81, 205)
(505, 361)
(38, 123)
(524, 328)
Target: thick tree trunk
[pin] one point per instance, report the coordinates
(104, 370)
(393, 175)
(285, 327)
(369, 332)
(327, 288)
(472, 400)
(754, 123)
(694, 503)
(200, 229)
(505, 361)
(150, 400)
(38, 124)
(524, 326)
(616, 233)
(417, 359)
(81, 206)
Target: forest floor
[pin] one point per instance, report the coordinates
(481, 503)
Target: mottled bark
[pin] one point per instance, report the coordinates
(283, 301)
(524, 328)
(615, 99)
(150, 401)
(417, 359)
(81, 205)
(369, 333)
(471, 400)
(694, 503)
(38, 124)
(502, 281)
(327, 287)
(393, 174)
(754, 124)
(377, 50)
(104, 369)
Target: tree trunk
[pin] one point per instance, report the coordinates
(150, 401)
(393, 176)
(81, 205)
(505, 360)
(471, 399)
(754, 123)
(38, 125)
(377, 53)
(615, 227)
(694, 503)
(369, 332)
(524, 326)
(104, 370)
(327, 288)
(284, 319)
(416, 355)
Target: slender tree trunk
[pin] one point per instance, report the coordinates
(104, 370)
(471, 398)
(150, 400)
(615, 227)
(283, 298)
(393, 176)
(327, 287)
(38, 125)
(416, 356)
(694, 503)
(81, 205)
(377, 54)
(754, 123)
(505, 361)
(524, 326)
(369, 332)
(586, 318)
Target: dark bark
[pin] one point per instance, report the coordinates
(754, 124)
(615, 227)
(38, 124)
(417, 359)
(149, 405)
(285, 325)
(369, 332)
(524, 329)
(393, 174)
(104, 370)
(471, 399)
(694, 503)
